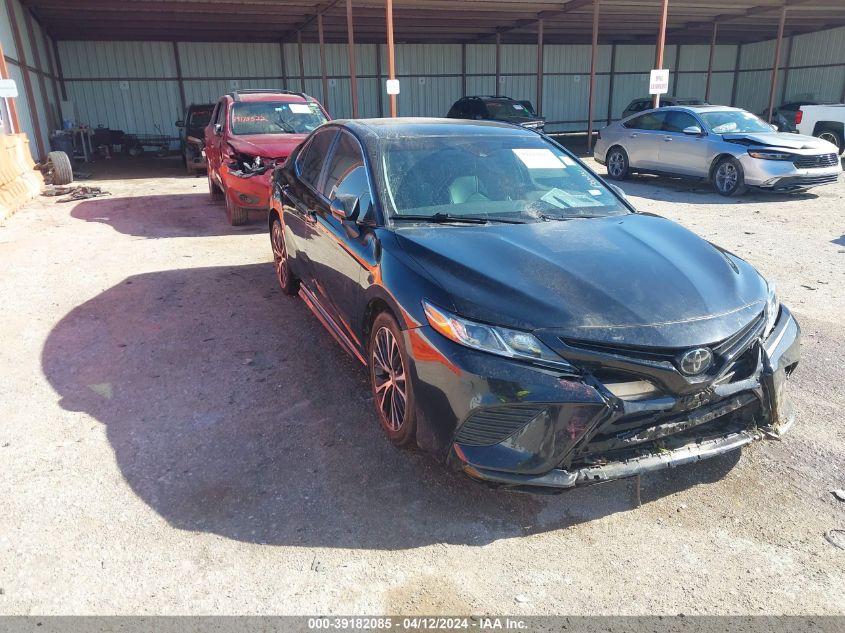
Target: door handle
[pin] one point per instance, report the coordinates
(667, 138)
(634, 135)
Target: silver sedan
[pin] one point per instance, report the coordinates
(729, 147)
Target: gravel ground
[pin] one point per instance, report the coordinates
(179, 438)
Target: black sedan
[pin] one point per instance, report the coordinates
(518, 317)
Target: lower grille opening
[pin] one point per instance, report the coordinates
(489, 426)
(657, 433)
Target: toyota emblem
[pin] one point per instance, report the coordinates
(695, 361)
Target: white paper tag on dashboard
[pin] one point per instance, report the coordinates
(299, 108)
(538, 158)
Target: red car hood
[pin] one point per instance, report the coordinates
(266, 145)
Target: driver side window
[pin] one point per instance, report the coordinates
(346, 175)
(346, 157)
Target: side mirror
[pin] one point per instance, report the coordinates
(218, 129)
(618, 191)
(180, 123)
(692, 130)
(774, 127)
(345, 209)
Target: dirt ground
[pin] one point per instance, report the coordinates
(177, 437)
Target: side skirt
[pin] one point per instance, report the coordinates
(329, 323)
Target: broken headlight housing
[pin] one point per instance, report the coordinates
(493, 339)
(772, 310)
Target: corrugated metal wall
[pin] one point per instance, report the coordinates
(44, 112)
(432, 76)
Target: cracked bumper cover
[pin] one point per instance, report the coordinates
(532, 456)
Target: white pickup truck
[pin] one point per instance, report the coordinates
(825, 121)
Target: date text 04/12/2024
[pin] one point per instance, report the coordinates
(418, 623)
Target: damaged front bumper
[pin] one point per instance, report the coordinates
(565, 431)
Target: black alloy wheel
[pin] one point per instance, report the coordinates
(391, 382)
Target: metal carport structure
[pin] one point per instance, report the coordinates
(471, 25)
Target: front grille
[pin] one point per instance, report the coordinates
(821, 160)
(492, 425)
(724, 348)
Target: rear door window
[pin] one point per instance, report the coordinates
(309, 163)
(647, 121)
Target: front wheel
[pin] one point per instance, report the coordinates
(236, 215)
(213, 190)
(390, 379)
(287, 282)
(728, 178)
(618, 167)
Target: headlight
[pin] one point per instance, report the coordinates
(767, 155)
(772, 310)
(492, 339)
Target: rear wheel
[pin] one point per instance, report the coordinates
(213, 189)
(618, 167)
(832, 136)
(235, 214)
(728, 178)
(287, 282)
(391, 381)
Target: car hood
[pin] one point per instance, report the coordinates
(637, 279)
(779, 139)
(267, 145)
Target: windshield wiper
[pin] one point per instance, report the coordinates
(549, 218)
(443, 218)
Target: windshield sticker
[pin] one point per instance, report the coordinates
(516, 106)
(538, 158)
(250, 118)
(299, 108)
(595, 192)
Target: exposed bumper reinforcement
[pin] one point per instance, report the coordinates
(563, 479)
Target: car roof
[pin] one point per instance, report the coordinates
(420, 126)
(249, 96)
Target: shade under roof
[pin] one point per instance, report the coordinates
(421, 21)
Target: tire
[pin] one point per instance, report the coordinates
(287, 281)
(728, 177)
(832, 136)
(213, 189)
(393, 397)
(618, 167)
(236, 215)
(59, 169)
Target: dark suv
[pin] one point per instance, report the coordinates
(497, 109)
(191, 136)
(640, 105)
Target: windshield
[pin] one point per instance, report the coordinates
(495, 177)
(200, 117)
(506, 109)
(276, 117)
(733, 122)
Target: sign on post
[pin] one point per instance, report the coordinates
(392, 86)
(8, 89)
(658, 83)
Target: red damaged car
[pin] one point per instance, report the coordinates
(249, 133)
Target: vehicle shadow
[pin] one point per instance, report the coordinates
(231, 411)
(176, 215)
(667, 189)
